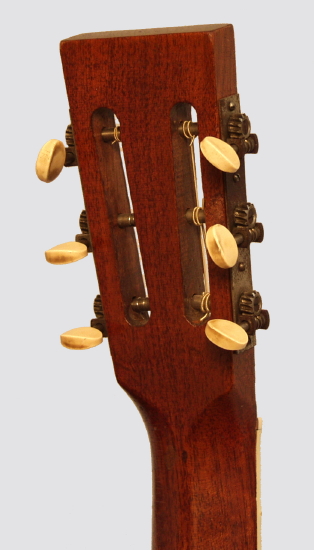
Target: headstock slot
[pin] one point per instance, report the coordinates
(187, 172)
(118, 199)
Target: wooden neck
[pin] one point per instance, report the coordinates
(204, 471)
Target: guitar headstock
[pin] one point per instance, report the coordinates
(181, 324)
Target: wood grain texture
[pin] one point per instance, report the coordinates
(197, 400)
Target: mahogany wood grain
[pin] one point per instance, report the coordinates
(197, 401)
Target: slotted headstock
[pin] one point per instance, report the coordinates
(133, 91)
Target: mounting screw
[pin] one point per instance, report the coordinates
(231, 106)
(241, 266)
(236, 177)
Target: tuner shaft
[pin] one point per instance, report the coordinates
(126, 220)
(111, 134)
(142, 304)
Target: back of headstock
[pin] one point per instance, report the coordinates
(196, 398)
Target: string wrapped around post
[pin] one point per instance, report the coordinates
(196, 215)
(205, 305)
(187, 131)
(116, 135)
(109, 134)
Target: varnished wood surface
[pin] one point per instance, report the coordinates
(197, 400)
(146, 32)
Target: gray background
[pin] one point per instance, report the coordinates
(75, 462)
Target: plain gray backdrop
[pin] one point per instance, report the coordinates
(74, 459)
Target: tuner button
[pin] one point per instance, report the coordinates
(66, 253)
(226, 334)
(50, 160)
(222, 246)
(81, 338)
(220, 154)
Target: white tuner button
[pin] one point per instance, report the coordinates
(81, 338)
(222, 246)
(66, 253)
(226, 334)
(220, 154)
(50, 160)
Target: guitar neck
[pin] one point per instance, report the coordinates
(204, 471)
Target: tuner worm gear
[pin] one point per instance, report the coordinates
(98, 310)
(239, 126)
(245, 215)
(250, 303)
(69, 136)
(83, 222)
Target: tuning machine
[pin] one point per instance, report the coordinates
(222, 245)
(87, 337)
(235, 336)
(240, 137)
(72, 251)
(53, 156)
(225, 155)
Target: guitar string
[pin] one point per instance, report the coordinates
(195, 216)
(205, 302)
(116, 135)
